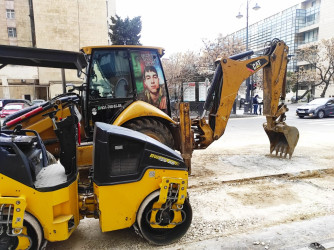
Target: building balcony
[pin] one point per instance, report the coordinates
(307, 28)
(304, 44)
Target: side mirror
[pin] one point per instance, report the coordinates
(70, 85)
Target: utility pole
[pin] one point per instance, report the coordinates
(297, 83)
(248, 102)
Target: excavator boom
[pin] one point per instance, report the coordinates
(230, 74)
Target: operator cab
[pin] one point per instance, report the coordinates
(120, 75)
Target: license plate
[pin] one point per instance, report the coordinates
(301, 111)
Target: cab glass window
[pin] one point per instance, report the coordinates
(149, 78)
(110, 75)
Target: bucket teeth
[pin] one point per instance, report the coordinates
(283, 139)
(281, 149)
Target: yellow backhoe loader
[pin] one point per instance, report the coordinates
(42, 200)
(118, 90)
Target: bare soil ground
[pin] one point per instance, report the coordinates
(236, 189)
(232, 194)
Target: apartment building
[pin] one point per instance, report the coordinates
(300, 25)
(61, 24)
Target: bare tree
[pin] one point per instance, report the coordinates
(189, 66)
(222, 46)
(306, 77)
(319, 60)
(197, 66)
(180, 68)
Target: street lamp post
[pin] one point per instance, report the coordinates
(248, 106)
(297, 83)
(299, 76)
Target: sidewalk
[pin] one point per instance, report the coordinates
(240, 114)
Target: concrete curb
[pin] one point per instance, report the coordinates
(243, 115)
(235, 116)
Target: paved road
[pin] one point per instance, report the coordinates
(318, 131)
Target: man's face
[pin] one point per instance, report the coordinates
(152, 81)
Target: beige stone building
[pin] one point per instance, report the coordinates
(62, 24)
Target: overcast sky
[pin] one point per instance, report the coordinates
(180, 25)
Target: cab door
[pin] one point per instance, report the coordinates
(110, 84)
(119, 76)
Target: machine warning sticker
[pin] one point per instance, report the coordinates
(164, 159)
(253, 66)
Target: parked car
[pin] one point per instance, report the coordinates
(11, 108)
(3, 102)
(320, 108)
(293, 99)
(38, 101)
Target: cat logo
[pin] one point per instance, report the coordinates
(253, 66)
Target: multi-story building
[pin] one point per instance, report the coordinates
(300, 25)
(63, 25)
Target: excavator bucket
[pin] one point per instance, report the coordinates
(283, 139)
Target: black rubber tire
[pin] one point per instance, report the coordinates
(153, 128)
(301, 116)
(158, 236)
(321, 114)
(34, 231)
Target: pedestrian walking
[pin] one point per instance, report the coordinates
(260, 106)
(255, 103)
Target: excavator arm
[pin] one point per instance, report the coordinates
(283, 138)
(233, 74)
(230, 74)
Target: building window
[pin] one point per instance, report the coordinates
(311, 36)
(12, 32)
(10, 14)
(310, 18)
